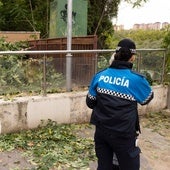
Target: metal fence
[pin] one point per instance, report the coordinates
(23, 75)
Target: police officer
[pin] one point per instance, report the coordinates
(113, 95)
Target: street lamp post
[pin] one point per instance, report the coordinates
(69, 42)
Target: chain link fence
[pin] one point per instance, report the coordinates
(25, 75)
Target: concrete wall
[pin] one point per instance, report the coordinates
(159, 102)
(28, 112)
(15, 36)
(168, 102)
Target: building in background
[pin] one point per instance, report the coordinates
(165, 24)
(148, 26)
(143, 26)
(118, 27)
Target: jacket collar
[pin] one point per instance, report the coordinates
(121, 64)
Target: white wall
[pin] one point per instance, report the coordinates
(27, 112)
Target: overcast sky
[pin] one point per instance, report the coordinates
(150, 12)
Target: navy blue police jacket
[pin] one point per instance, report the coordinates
(114, 94)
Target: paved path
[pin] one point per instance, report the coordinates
(155, 151)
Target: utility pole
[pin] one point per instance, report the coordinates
(69, 42)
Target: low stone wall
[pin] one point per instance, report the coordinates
(16, 36)
(159, 102)
(28, 112)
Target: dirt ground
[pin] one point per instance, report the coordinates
(155, 153)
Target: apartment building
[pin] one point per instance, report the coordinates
(148, 26)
